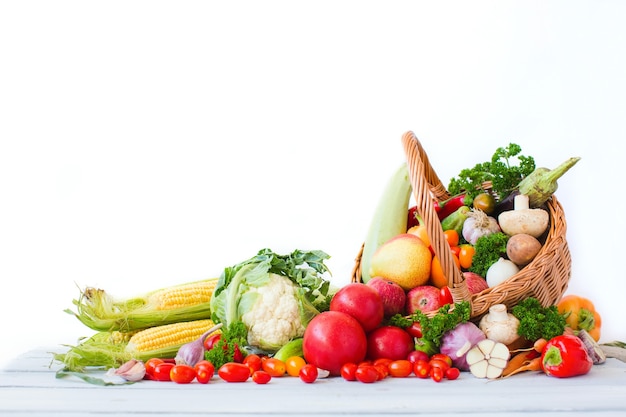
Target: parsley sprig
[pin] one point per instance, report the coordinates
(502, 171)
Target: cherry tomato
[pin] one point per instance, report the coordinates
(382, 369)
(436, 373)
(261, 377)
(400, 368)
(162, 371)
(182, 374)
(294, 364)
(366, 374)
(485, 202)
(211, 340)
(382, 361)
(445, 297)
(452, 373)
(308, 373)
(234, 372)
(151, 364)
(254, 362)
(466, 254)
(238, 355)
(415, 329)
(204, 371)
(442, 357)
(421, 369)
(438, 363)
(417, 355)
(452, 237)
(202, 376)
(348, 371)
(274, 367)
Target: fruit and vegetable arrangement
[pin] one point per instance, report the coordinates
(274, 316)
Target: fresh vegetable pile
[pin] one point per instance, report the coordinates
(274, 316)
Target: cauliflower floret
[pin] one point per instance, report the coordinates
(275, 317)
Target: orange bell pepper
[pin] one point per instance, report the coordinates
(580, 313)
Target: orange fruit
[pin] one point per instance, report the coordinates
(420, 231)
(437, 277)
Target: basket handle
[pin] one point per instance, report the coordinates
(426, 186)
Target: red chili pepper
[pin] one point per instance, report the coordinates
(450, 205)
(413, 218)
(565, 356)
(445, 297)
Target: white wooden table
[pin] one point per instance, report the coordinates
(28, 387)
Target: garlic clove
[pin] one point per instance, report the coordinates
(132, 370)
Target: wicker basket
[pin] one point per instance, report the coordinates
(545, 278)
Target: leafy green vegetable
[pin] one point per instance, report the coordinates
(269, 290)
(537, 321)
(433, 328)
(233, 337)
(487, 250)
(501, 171)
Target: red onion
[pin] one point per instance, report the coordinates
(458, 341)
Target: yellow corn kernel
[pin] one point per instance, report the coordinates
(184, 295)
(119, 338)
(167, 338)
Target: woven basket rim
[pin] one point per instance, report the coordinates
(546, 277)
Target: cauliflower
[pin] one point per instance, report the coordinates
(274, 296)
(274, 319)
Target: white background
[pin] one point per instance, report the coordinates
(145, 144)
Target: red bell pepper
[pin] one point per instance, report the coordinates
(449, 206)
(565, 356)
(443, 209)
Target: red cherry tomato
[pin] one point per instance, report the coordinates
(308, 373)
(234, 372)
(442, 357)
(417, 355)
(452, 373)
(415, 329)
(162, 371)
(366, 374)
(182, 374)
(238, 355)
(383, 371)
(348, 371)
(254, 362)
(445, 297)
(421, 369)
(150, 365)
(438, 363)
(204, 371)
(261, 377)
(211, 340)
(400, 368)
(436, 373)
(274, 367)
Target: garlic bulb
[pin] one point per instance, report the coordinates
(488, 359)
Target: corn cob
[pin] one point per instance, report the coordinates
(185, 302)
(111, 349)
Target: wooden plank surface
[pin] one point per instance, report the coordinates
(28, 387)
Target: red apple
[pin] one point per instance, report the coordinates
(423, 297)
(475, 283)
(333, 338)
(392, 295)
(361, 302)
(389, 342)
